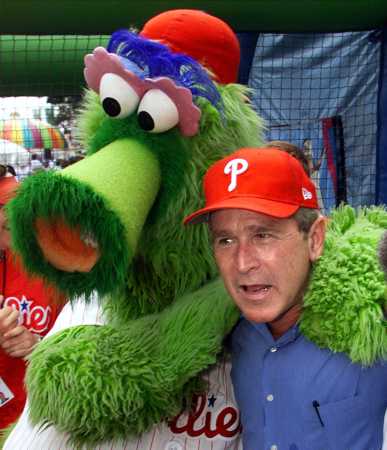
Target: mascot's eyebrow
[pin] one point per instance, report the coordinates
(156, 60)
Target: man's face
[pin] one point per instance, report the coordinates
(5, 237)
(264, 261)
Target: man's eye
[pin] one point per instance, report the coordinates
(223, 242)
(262, 236)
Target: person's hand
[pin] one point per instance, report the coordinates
(8, 320)
(19, 342)
(15, 339)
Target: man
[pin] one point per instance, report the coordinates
(27, 312)
(267, 233)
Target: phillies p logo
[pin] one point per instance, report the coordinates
(234, 168)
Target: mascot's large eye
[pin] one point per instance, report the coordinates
(118, 98)
(157, 112)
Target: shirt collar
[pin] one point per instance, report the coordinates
(290, 336)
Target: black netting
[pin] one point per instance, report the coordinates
(41, 83)
(319, 91)
(316, 90)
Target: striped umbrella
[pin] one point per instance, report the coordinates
(31, 133)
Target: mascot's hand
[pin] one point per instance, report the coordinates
(96, 382)
(344, 308)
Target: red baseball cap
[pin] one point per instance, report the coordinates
(263, 180)
(8, 187)
(201, 36)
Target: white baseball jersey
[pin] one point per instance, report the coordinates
(213, 425)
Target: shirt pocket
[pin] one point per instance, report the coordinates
(355, 423)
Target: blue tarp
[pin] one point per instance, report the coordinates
(300, 81)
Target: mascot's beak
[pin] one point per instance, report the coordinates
(127, 176)
(86, 220)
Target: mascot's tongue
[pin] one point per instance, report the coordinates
(64, 248)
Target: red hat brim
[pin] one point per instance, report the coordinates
(249, 203)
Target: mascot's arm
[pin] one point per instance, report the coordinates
(345, 306)
(99, 382)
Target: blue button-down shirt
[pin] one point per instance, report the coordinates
(296, 396)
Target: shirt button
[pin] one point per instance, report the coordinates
(273, 349)
(273, 447)
(270, 398)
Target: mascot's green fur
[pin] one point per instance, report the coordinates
(345, 307)
(117, 216)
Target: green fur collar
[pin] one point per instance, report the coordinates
(344, 306)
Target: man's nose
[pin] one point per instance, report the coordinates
(247, 258)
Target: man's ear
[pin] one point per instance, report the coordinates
(316, 238)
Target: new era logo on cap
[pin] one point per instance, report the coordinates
(306, 194)
(264, 180)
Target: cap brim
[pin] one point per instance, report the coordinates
(254, 204)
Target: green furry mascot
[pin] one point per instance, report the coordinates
(153, 122)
